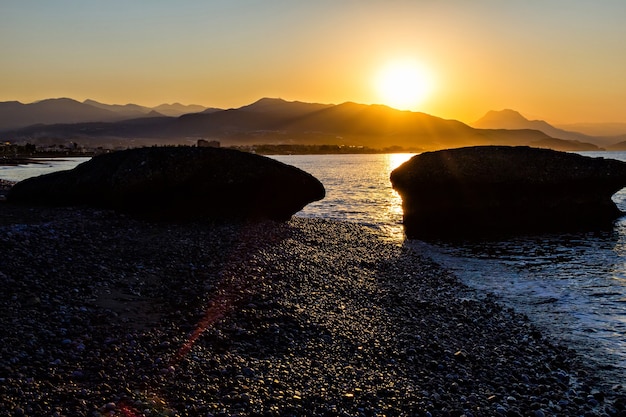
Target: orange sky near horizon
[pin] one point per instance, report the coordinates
(561, 61)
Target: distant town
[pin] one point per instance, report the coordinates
(16, 154)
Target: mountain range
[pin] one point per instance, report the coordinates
(275, 121)
(511, 119)
(14, 114)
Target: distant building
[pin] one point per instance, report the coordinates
(203, 143)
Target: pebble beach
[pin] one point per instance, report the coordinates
(106, 315)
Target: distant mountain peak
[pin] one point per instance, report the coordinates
(266, 103)
(269, 100)
(507, 119)
(505, 115)
(513, 120)
(287, 108)
(57, 100)
(177, 109)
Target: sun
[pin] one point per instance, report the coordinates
(403, 84)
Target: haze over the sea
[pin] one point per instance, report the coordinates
(561, 61)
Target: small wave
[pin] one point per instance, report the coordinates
(606, 294)
(549, 300)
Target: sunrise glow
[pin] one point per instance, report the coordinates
(440, 58)
(403, 84)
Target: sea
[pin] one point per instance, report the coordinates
(571, 285)
(39, 166)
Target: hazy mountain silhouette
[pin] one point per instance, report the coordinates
(134, 110)
(597, 129)
(276, 121)
(511, 119)
(619, 146)
(177, 109)
(287, 108)
(273, 121)
(210, 110)
(59, 110)
(127, 111)
(381, 126)
(14, 114)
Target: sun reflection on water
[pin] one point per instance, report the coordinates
(394, 160)
(358, 189)
(394, 206)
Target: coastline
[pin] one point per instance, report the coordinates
(17, 161)
(107, 314)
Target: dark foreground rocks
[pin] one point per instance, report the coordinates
(500, 189)
(177, 183)
(103, 314)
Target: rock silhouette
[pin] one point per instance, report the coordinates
(500, 189)
(177, 183)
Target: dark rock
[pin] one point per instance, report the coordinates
(177, 183)
(499, 189)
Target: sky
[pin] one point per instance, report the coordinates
(560, 61)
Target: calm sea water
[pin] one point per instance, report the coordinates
(43, 166)
(357, 189)
(573, 286)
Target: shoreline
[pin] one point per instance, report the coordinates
(107, 314)
(37, 159)
(17, 161)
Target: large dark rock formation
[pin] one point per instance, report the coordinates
(500, 189)
(178, 184)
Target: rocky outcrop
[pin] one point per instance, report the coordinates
(177, 183)
(500, 189)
